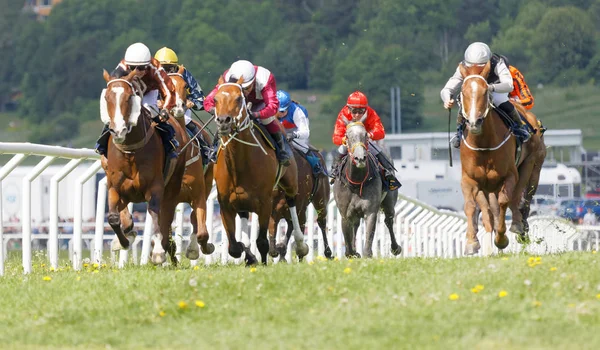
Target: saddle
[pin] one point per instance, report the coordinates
(510, 124)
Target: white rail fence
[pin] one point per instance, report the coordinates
(422, 230)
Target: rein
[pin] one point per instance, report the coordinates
(350, 152)
(242, 123)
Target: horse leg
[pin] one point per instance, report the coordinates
(528, 195)
(301, 246)
(244, 216)
(157, 255)
(192, 252)
(115, 206)
(525, 174)
(501, 240)
(235, 248)
(273, 251)
(469, 190)
(322, 221)
(282, 246)
(202, 235)
(127, 225)
(262, 242)
(348, 231)
(389, 212)
(370, 225)
(486, 208)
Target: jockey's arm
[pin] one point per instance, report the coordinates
(194, 90)
(374, 126)
(506, 81)
(340, 129)
(302, 126)
(209, 101)
(452, 87)
(269, 94)
(119, 71)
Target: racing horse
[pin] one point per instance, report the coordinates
(197, 180)
(359, 193)
(247, 171)
(493, 178)
(134, 167)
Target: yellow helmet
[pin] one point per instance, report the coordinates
(166, 56)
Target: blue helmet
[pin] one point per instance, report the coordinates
(284, 100)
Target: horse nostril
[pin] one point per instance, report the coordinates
(228, 119)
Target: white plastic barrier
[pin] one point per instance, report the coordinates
(421, 230)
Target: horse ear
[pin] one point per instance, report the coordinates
(104, 107)
(221, 80)
(486, 70)
(462, 69)
(106, 75)
(240, 81)
(130, 76)
(181, 70)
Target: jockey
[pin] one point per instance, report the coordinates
(500, 83)
(259, 88)
(152, 78)
(356, 107)
(294, 119)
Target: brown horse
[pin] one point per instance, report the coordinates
(246, 173)
(193, 188)
(311, 189)
(134, 167)
(491, 176)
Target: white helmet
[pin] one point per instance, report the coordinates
(477, 53)
(137, 54)
(241, 68)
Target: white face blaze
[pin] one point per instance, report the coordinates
(474, 112)
(120, 127)
(356, 135)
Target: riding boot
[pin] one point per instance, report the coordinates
(204, 146)
(102, 143)
(335, 167)
(459, 132)
(388, 172)
(195, 130)
(282, 148)
(520, 129)
(168, 135)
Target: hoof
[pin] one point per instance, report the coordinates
(517, 228)
(192, 252)
(115, 245)
(354, 255)
(397, 251)
(301, 250)
(158, 258)
(273, 253)
(523, 238)
(281, 249)
(328, 253)
(210, 248)
(251, 260)
(472, 248)
(501, 241)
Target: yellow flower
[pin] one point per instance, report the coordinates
(42, 265)
(196, 268)
(593, 252)
(453, 296)
(162, 313)
(479, 287)
(598, 296)
(200, 303)
(502, 294)
(182, 305)
(553, 269)
(103, 265)
(475, 290)
(336, 259)
(253, 269)
(347, 270)
(311, 262)
(52, 269)
(571, 305)
(531, 260)
(537, 303)
(86, 265)
(78, 278)
(504, 258)
(538, 259)
(95, 271)
(47, 278)
(95, 265)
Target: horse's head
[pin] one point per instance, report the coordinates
(180, 93)
(120, 107)
(230, 106)
(356, 141)
(475, 96)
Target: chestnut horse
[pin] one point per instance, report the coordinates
(311, 189)
(193, 188)
(491, 177)
(134, 167)
(246, 173)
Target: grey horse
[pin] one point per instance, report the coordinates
(359, 193)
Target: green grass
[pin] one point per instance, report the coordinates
(359, 304)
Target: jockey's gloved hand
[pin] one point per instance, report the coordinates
(198, 105)
(255, 114)
(164, 115)
(292, 135)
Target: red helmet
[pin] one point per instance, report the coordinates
(357, 100)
